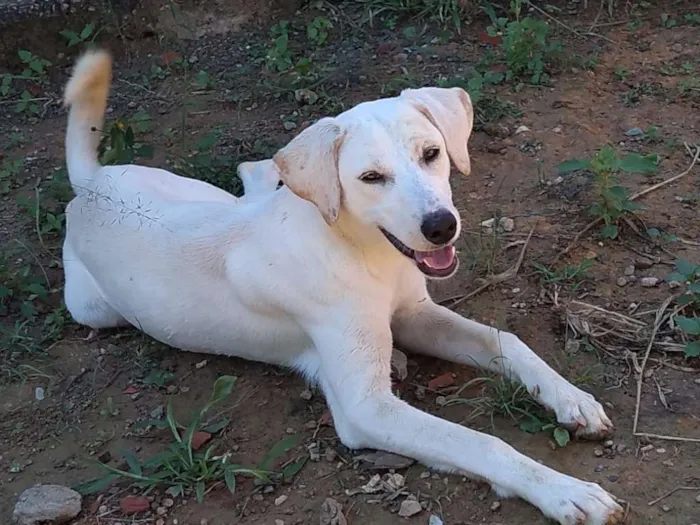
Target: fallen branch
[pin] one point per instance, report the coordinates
(673, 491)
(636, 196)
(494, 279)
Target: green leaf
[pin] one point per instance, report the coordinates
(278, 449)
(690, 325)
(573, 165)
(692, 349)
(217, 427)
(132, 461)
(635, 163)
(222, 389)
(24, 55)
(676, 276)
(230, 478)
(87, 31)
(686, 299)
(532, 425)
(294, 468)
(685, 267)
(694, 287)
(610, 231)
(95, 485)
(561, 436)
(170, 418)
(175, 491)
(199, 491)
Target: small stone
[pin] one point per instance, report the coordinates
(697, 381)
(647, 448)
(598, 452)
(442, 381)
(649, 282)
(161, 511)
(290, 430)
(665, 508)
(168, 502)
(521, 129)
(409, 507)
(332, 513)
(281, 499)
(160, 521)
(629, 270)
(495, 506)
(47, 503)
(201, 364)
(39, 393)
(440, 401)
(435, 520)
(613, 478)
(279, 522)
(306, 96)
(609, 443)
(306, 395)
(330, 455)
(697, 498)
(134, 504)
(667, 463)
(200, 438)
(425, 474)
(674, 284)
(634, 132)
(506, 224)
(289, 125)
(102, 509)
(622, 281)
(643, 263)
(661, 451)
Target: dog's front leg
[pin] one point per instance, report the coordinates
(428, 328)
(355, 372)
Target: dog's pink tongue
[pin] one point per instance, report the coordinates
(438, 259)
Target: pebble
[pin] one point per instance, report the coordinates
(289, 125)
(521, 129)
(435, 520)
(495, 506)
(643, 263)
(634, 132)
(161, 511)
(168, 502)
(330, 455)
(661, 451)
(281, 499)
(649, 282)
(201, 364)
(409, 507)
(665, 508)
(674, 284)
(697, 498)
(613, 478)
(47, 503)
(598, 452)
(609, 443)
(629, 270)
(506, 224)
(279, 522)
(39, 394)
(622, 281)
(306, 395)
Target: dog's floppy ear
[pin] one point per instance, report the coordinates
(308, 166)
(450, 110)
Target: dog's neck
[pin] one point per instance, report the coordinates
(368, 240)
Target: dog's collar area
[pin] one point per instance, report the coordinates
(438, 263)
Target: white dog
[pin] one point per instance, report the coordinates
(323, 275)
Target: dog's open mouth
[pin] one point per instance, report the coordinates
(438, 263)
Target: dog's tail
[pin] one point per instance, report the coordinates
(86, 95)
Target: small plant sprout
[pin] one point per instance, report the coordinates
(613, 201)
(689, 325)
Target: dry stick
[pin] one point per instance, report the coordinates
(655, 501)
(495, 279)
(636, 196)
(640, 379)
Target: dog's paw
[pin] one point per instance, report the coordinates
(570, 501)
(578, 411)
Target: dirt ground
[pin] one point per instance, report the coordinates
(186, 72)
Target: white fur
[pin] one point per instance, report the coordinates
(311, 283)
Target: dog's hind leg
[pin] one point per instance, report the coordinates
(83, 298)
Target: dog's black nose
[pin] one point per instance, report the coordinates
(439, 227)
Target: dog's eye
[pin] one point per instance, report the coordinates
(372, 177)
(431, 154)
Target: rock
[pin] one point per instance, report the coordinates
(609, 443)
(665, 508)
(168, 502)
(495, 506)
(47, 503)
(199, 439)
(496, 130)
(306, 395)
(306, 96)
(409, 507)
(279, 522)
(330, 455)
(622, 281)
(442, 381)
(521, 129)
(697, 498)
(629, 270)
(289, 125)
(161, 511)
(674, 284)
(506, 224)
(332, 513)
(643, 263)
(613, 478)
(634, 132)
(435, 520)
(649, 282)
(281, 499)
(386, 460)
(598, 452)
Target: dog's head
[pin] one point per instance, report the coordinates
(387, 163)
